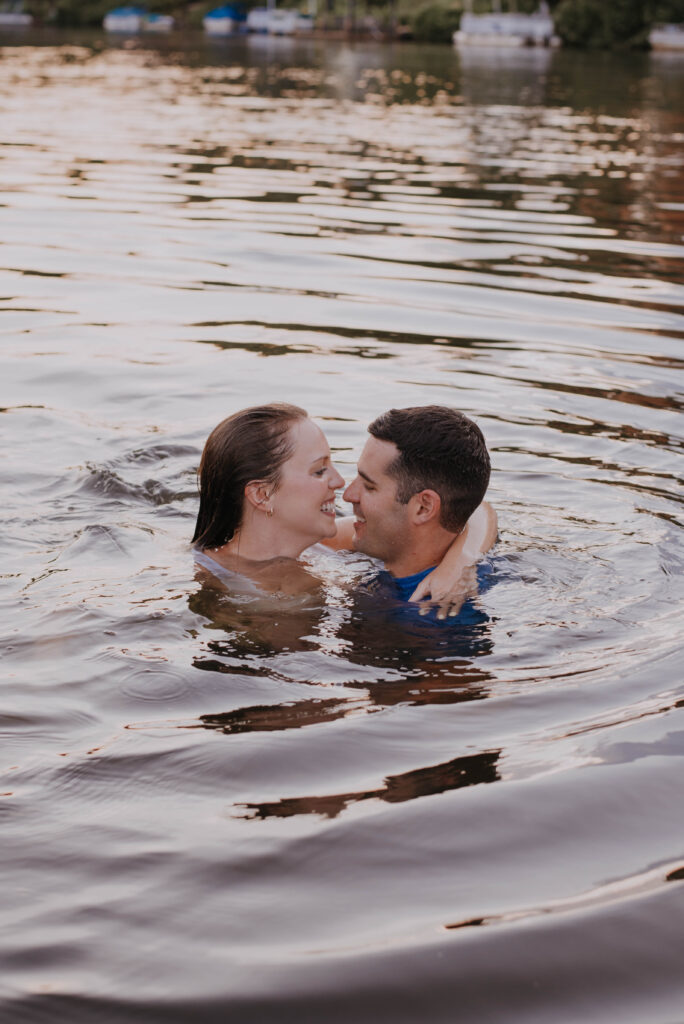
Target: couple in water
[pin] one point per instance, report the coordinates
(267, 493)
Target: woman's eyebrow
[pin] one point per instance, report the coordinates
(319, 458)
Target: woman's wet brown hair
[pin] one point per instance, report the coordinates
(250, 445)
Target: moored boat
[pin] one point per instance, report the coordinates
(124, 19)
(278, 21)
(282, 21)
(512, 29)
(224, 21)
(13, 15)
(667, 37)
(158, 23)
(257, 20)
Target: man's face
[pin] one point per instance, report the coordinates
(382, 525)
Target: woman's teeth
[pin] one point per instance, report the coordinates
(329, 507)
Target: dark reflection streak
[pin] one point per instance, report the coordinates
(36, 309)
(272, 290)
(614, 467)
(358, 333)
(668, 517)
(609, 394)
(624, 432)
(624, 720)
(510, 277)
(646, 359)
(276, 717)
(240, 666)
(603, 895)
(34, 273)
(13, 408)
(431, 684)
(656, 492)
(472, 770)
(267, 349)
(419, 687)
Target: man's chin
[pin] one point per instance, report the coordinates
(361, 544)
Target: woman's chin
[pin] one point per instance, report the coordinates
(328, 529)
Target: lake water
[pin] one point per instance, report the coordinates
(213, 811)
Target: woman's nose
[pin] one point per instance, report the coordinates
(337, 481)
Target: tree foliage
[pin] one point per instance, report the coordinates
(92, 12)
(435, 23)
(595, 23)
(666, 10)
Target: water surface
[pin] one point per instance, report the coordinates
(303, 812)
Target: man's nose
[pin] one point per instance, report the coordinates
(352, 492)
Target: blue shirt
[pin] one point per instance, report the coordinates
(407, 584)
(402, 587)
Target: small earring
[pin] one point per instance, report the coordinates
(269, 512)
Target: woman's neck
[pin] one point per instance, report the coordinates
(274, 568)
(260, 542)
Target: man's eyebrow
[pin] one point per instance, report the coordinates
(364, 476)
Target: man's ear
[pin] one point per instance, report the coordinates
(258, 493)
(424, 507)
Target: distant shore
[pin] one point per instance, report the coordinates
(579, 24)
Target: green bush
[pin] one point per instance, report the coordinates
(435, 23)
(578, 22)
(92, 12)
(595, 23)
(668, 10)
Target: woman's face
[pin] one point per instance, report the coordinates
(303, 503)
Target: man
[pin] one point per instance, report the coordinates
(418, 497)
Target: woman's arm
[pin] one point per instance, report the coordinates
(344, 538)
(451, 582)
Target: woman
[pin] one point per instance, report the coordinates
(267, 490)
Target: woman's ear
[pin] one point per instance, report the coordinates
(259, 493)
(425, 506)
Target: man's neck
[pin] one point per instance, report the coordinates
(424, 553)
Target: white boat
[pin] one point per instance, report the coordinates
(511, 29)
(125, 19)
(224, 21)
(667, 37)
(278, 21)
(12, 15)
(158, 23)
(282, 21)
(258, 19)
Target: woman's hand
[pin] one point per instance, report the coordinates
(442, 591)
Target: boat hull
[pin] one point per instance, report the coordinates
(10, 19)
(667, 37)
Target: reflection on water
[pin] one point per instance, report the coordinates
(278, 811)
(462, 771)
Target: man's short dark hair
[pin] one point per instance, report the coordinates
(441, 450)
